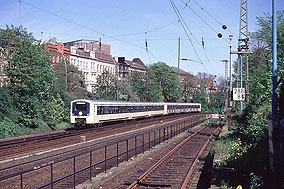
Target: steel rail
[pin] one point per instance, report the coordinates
(190, 171)
(9, 143)
(109, 142)
(157, 164)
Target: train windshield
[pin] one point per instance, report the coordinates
(81, 107)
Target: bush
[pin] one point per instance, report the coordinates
(8, 128)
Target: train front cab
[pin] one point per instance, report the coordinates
(80, 112)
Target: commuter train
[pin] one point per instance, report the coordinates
(93, 111)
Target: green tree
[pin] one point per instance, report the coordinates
(146, 89)
(126, 91)
(7, 105)
(75, 88)
(105, 88)
(32, 80)
(260, 61)
(169, 82)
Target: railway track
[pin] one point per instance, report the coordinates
(92, 159)
(175, 169)
(10, 148)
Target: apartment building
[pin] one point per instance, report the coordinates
(92, 64)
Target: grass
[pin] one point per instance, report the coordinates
(250, 160)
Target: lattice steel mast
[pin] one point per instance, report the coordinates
(243, 45)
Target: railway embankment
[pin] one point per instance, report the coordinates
(83, 165)
(122, 176)
(241, 156)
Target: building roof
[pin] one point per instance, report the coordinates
(136, 63)
(181, 72)
(83, 53)
(91, 45)
(104, 57)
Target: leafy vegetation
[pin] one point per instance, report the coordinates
(35, 95)
(32, 97)
(246, 146)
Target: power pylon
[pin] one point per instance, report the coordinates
(243, 45)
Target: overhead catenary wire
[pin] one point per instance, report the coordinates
(211, 16)
(203, 46)
(146, 48)
(204, 21)
(182, 24)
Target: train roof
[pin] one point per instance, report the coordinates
(115, 102)
(129, 102)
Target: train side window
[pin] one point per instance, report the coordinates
(98, 110)
(101, 110)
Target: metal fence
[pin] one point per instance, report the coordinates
(106, 157)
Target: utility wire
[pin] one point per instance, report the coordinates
(182, 24)
(81, 36)
(203, 20)
(211, 16)
(148, 31)
(20, 12)
(208, 60)
(81, 25)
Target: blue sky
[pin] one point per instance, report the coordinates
(125, 24)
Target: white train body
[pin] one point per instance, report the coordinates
(93, 111)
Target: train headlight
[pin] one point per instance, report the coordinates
(80, 113)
